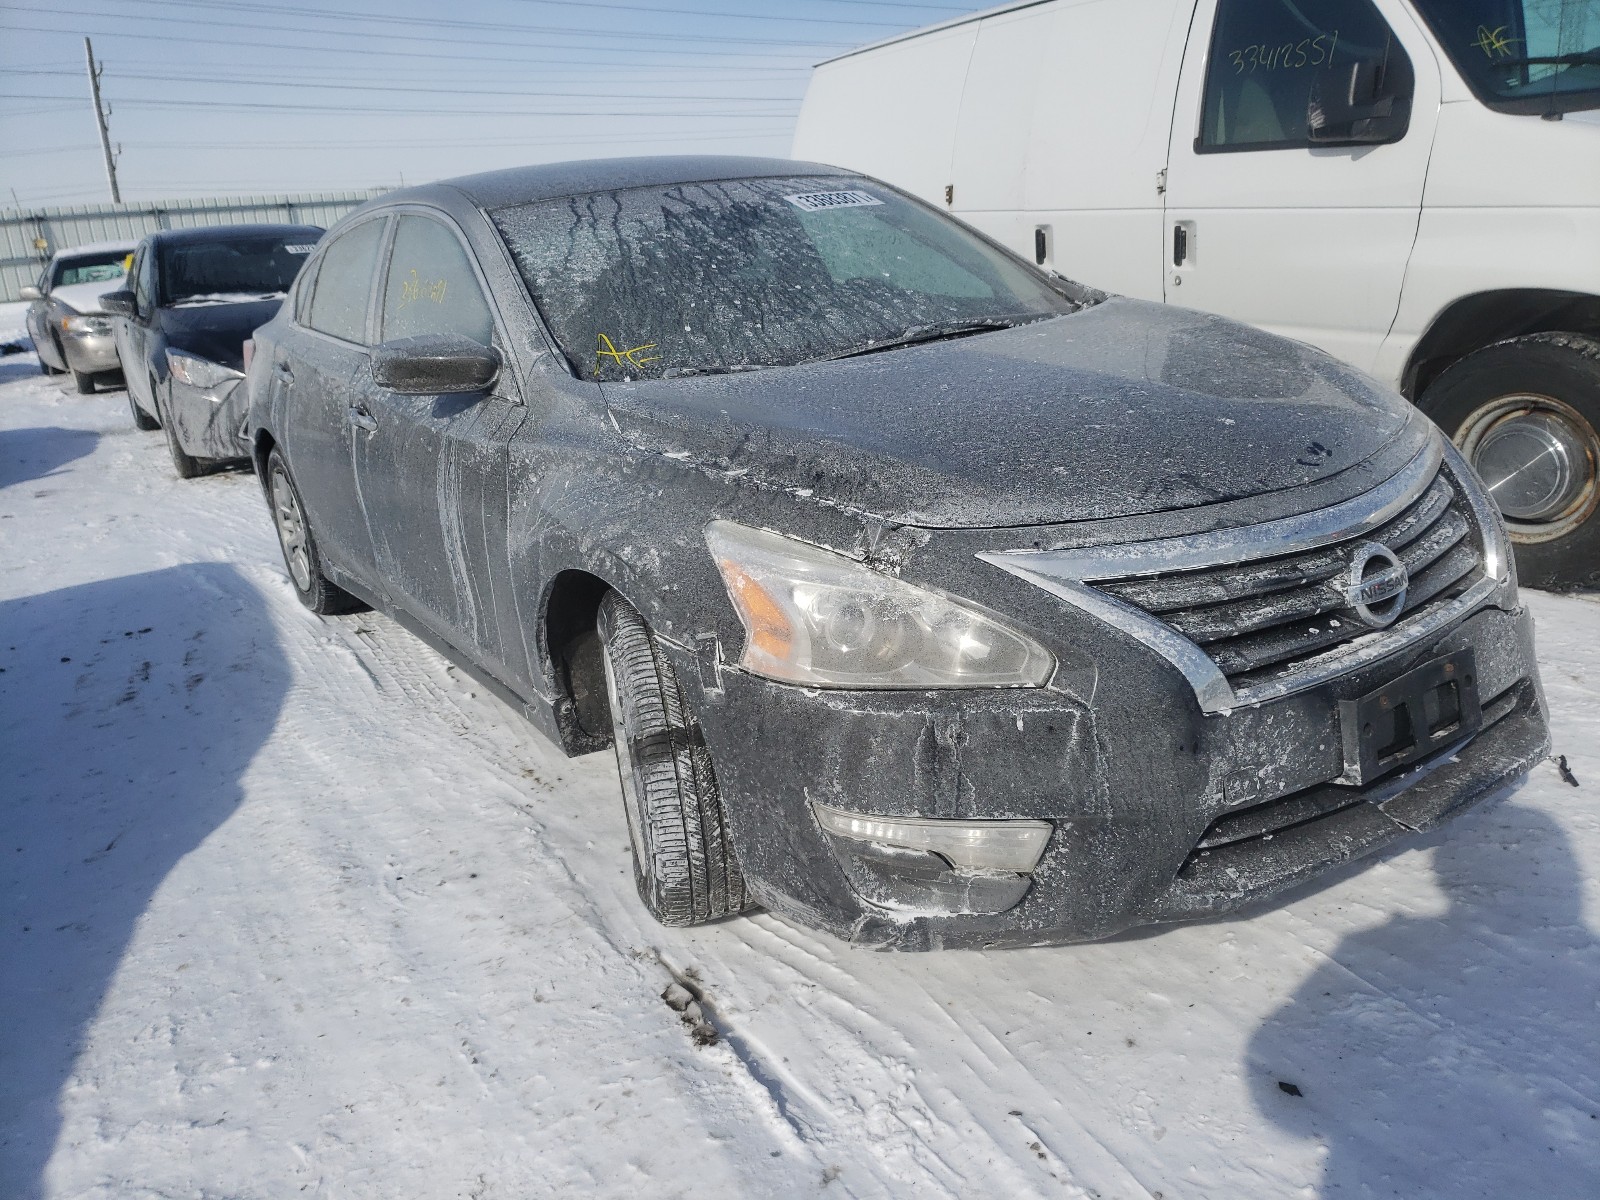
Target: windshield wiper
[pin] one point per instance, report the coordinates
(716, 369)
(1578, 58)
(918, 334)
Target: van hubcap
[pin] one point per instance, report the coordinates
(1539, 457)
(291, 525)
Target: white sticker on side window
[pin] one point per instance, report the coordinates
(819, 201)
(300, 249)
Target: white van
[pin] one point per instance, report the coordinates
(1412, 185)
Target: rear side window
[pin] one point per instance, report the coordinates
(432, 288)
(344, 283)
(1267, 54)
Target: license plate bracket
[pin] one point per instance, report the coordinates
(1409, 718)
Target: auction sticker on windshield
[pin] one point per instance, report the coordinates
(818, 201)
(302, 249)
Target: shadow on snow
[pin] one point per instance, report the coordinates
(1453, 1055)
(129, 710)
(29, 454)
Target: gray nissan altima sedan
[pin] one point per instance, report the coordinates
(925, 598)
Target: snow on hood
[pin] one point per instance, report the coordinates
(85, 297)
(1124, 409)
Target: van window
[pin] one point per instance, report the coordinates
(344, 283)
(1523, 56)
(1265, 56)
(432, 288)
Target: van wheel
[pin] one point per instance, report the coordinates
(300, 554)
(1526, 415)
(683, 864)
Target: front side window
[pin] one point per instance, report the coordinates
(431, 286)
(245, 267)
(343, 286)
(143, 280)
(740, 274)
(89, 268)
(1523, 56)
(1267, 56)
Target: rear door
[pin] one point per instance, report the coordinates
(1307, 241)
(320, 369)
(432, 469)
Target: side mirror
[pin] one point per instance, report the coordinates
(435, 365)
(29, 292)
(1359, 104)
(120, 303)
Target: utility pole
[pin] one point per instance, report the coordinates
(100, 115)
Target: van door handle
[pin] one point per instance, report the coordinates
(362, 419)
(1180, 245)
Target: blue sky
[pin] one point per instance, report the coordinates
(237, 96)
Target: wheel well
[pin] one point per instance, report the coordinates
(1474, 322)
(573, 662)
(264, 442)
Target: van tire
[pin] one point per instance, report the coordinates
(683, 864)
(1548, 382)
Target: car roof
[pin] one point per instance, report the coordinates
(95, 248)
(222, 233)
(552, 181)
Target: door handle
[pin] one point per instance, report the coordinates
(1184, 237)
(282, 371)
(362, 419)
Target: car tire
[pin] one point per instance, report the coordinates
(1533, 400)
(84, 382)
(300, 554)
(683, 861)
(142, 420)
(185, 464)
(45, 368)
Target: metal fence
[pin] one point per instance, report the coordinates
(28, 237)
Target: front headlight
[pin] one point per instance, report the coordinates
(819, 619)
(86, 324)
(198, 372)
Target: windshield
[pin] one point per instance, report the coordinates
(89, 268)
(657, 282)
(1523, 56)
(236, 270)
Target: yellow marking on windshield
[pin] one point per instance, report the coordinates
(623, 358)
(1495, 41)
(417, 288)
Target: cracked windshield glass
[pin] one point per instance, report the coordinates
(705, 278)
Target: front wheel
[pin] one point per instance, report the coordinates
(683, 864)
(141, 419)
(300, 553)
(83, 381)
(1525, 413)
(185, 464)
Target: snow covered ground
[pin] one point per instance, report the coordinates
(289, 908)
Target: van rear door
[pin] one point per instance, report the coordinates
(1305, 232)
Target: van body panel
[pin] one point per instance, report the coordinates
(1483, 229)
(1263, 224)
(1022, 140)
(896, 108)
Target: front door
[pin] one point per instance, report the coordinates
(321, 369)
(1309, 241)
(132, 334)
(432, 469)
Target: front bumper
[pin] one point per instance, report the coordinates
(1133, 782)
(209, 422)
(90, 353)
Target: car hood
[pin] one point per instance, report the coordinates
(1123, 409)
(216, 331)
(85, 297)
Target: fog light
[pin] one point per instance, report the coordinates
(970, 847)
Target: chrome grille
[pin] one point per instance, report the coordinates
(1259, 621)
